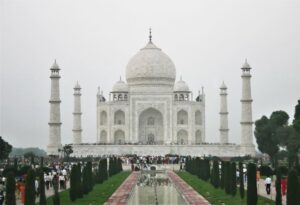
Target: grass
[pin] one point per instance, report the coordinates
(99, 194)
(218, 196)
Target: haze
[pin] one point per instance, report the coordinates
(93, 41)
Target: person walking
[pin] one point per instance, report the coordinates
(268, 182)
(22, 191)
(283, 185)
(1, 197)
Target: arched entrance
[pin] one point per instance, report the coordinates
(151, 130)
(182, 137)
(119, 137)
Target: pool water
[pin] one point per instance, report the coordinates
(155, 188)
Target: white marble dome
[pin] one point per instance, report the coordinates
(181, 86)
(150, 66)
(120, 86)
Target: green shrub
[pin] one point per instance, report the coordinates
(10, 198)
(30, 188)
(251, 185)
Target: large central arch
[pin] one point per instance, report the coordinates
(151, 128)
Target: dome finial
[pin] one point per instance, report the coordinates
(150, 35)
(180, 77)
(120, 78)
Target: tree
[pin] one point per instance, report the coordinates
(266, 133)
(296, 121)
(67, 150)
(5, 149)
(293, 189)
(30, 188)
(222, 175)
(227, 177)
(73, 183)
(296, 126)
(251, 185)
(42, 194)
(10, 198)
(233, 179)
(56, 197)
(241, 179)
(215, 176)
(278, 200)
(79, 184)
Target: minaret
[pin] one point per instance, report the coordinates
(77, 115)
(54, 124)
(223, 115)
(246, 115)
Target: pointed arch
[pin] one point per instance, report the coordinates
(103, 136)
(198, 117)
(182, 137)
(119, 117)
(119, 137)
(103, 118)
(182, 117)
(198, 137)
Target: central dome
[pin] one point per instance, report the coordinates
(150, 66)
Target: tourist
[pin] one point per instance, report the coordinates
(268, 182)
(1, 197)
(283, 185)
(22, 191)
(61, 181)
(47, 181)
(36, 185)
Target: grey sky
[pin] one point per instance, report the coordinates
(93, 41)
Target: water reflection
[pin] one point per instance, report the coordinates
(155, 188)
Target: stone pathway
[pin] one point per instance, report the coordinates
(121, 195)
(49, 193)
(261, 190)
(189, 194)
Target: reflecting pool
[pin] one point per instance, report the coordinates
(154, 187)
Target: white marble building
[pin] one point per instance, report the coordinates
(151, 108)
(151, 114)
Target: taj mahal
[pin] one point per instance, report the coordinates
(150, 113)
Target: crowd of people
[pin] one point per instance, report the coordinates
(55, 174)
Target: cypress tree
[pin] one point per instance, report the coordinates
(42, 193)
(10, 198)
(89, 176)
(227, 177)
(292, 197)
(85, 180)
(278, 200)
(251, 185)
(79, 183)
(233, 179)
(241, 179)
(56, 198)
(73, 183)
(222, 175)
(105, 169)
(30, 188)
(110, 167)
(215, 176)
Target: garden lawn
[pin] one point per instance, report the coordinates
(217, 196)
(99, 194)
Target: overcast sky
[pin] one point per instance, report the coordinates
(93, 41)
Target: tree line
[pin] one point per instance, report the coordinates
(275, 133)
(223, 175)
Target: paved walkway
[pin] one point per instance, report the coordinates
(49, 193)
(121, 195)
(261, 190)
(190, 195)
